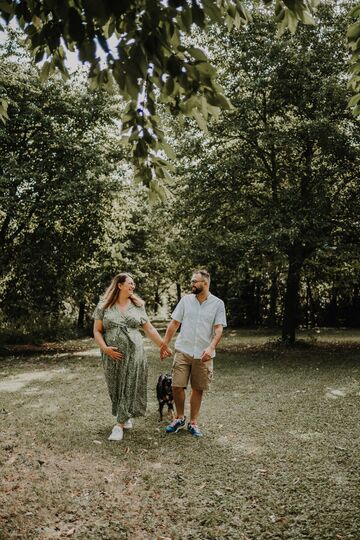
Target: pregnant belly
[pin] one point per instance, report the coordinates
(114, 339)
(124, 341)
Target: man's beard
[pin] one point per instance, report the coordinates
(196, 290)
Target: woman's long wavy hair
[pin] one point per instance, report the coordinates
(112, 292)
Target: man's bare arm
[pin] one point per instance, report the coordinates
(170, 331)
(209, 351)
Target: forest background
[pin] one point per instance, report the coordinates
(266, 196)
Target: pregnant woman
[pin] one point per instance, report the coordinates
(117, 321)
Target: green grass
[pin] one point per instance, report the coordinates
(279, 459)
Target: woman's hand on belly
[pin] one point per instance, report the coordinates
(113, 353)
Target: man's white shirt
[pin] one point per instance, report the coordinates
(197, 323)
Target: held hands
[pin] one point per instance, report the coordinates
(113, 353)
(207, 354)
(165, 352)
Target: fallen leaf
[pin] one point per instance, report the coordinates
(97, 442)
(70, 532)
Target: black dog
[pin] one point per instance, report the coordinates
(165, 395)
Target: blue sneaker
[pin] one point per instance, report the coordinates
(194, 430)
(176, 425)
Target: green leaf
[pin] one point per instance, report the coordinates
(7, 8)
(198, 54)
(213, 11)
(75, 25)
(355, 12)
(353, 31)
(87, 51)
(109, 28)
(206, 69)
(356, 110)
(354, 100)
(306, 18)
(169, 150)
(189, 104)
(3, 110)
(186, 19)
(199, 119)
(141, 149)
(221, 101)
(292, 22)
(169, 86)
(198, 15)
(45, 71)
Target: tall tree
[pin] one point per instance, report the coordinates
(55, 156)
(276, 174)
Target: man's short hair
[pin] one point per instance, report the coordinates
(204, 273)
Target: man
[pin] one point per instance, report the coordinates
(202, 318)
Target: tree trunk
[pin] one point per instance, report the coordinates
(81, 316)
(156, 301)
(291, 302)
(355, 319)
(258, 311)
(273, 300)
(312, 308)
(178, 291)
(249, 297)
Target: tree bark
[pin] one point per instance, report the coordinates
(291, 302)
(156, 301)
(178, 292)
(273, 300)
(81, 316)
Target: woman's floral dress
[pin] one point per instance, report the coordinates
(126, 378)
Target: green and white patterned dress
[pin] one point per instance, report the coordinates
(126, 378)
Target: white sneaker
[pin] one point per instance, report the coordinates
(116, 434)
(128, 424)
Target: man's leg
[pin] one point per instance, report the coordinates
(180, 377)
(179, 399)
(201, 375)
(195, 404)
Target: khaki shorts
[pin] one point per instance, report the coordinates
(186, 367)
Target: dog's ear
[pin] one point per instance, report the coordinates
(161, 377)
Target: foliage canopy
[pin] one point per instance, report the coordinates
(146, 54)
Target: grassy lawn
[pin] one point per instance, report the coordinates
(279, 459)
